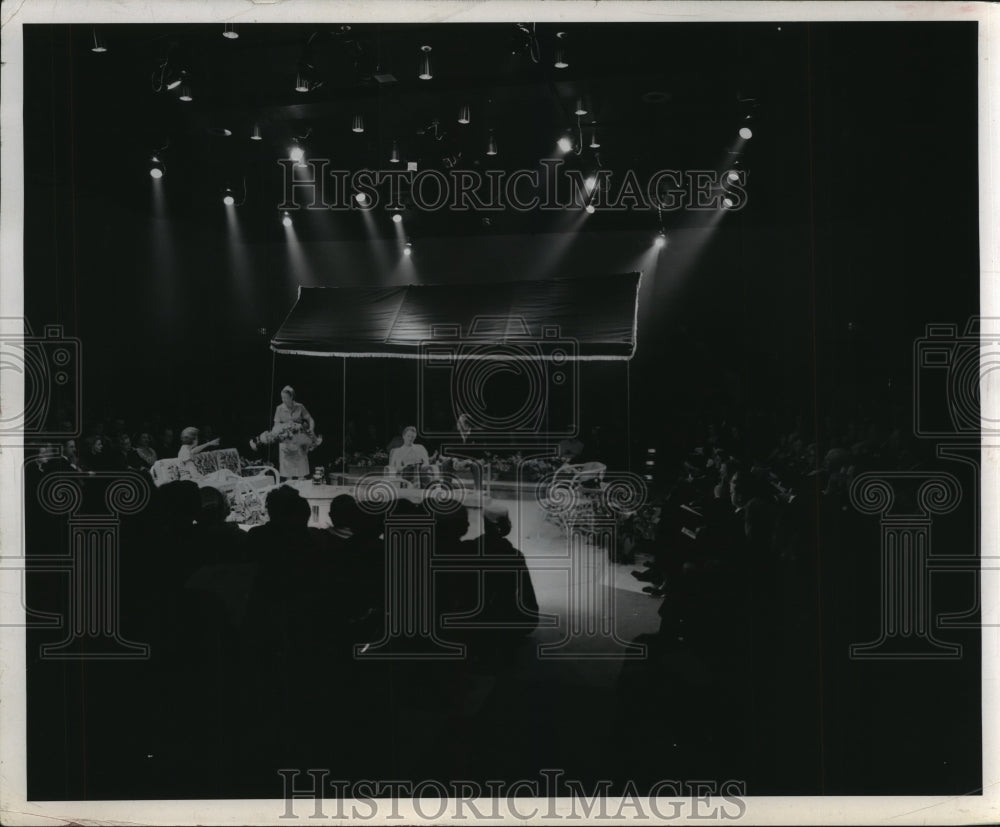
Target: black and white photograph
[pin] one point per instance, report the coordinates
(505, 411)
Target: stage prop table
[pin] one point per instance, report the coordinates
(319, 497)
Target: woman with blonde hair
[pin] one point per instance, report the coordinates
(190, 446)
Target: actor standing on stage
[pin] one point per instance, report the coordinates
(293, 453)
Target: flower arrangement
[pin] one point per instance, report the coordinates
(362, 459)
(532, 470)
(297, 433)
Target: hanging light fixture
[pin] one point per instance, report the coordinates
(303, 80)
(397, 217)
(156, 168)
(425, 63)
(255, 135)
(581, 107)
(98, 45)
(286, 219)
(594, 143)
(394, 155)
(358, 125)
(491, 145)
(227, 197)
(408, 249)
(185, 94)
(229, 31)
(464, 114)
(173, 79)
(561, 62)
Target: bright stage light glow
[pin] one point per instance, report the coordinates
(397, 217)
(296, 153)
(661, 240)
(286, 219)
(590, 209)
(727, 202)
(228, 200)
(746, 133)
(408, 249)
(155, 172)
(565, 143)
(362, 198)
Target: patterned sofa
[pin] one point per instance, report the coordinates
(244, 486)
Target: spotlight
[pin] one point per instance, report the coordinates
(727, 202)
(746, 133)
(255, 135)
(174, 81)
(464, 114)
(155, 167)
(296, 153)
(594, 143)
(733, 175)
(565, 143)
(185, 94)
(359, 124)
(581, 107)
(302, 83)
(661, 240)
(560, 61)
(394, 155)
(362, 198)
(397, 217)
(229, 31)
(491, 145)
(227, 197)
(286, 219)
(98, 45)
(408, 249)
(590, 209)
(591, 182)
(425, 63)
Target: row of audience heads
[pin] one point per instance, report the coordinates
(183, 503)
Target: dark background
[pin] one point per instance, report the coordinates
(861, 227)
